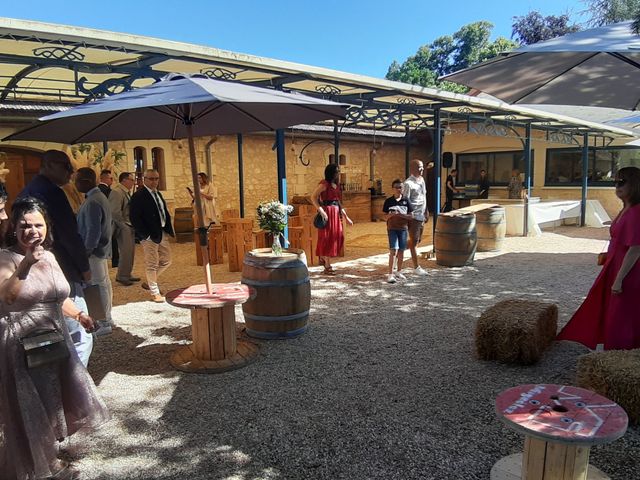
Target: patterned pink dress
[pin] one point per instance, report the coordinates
(613, 320)
(47, 404)
(330, 238)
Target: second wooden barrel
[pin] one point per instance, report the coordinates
(455, 240)
(183, 224)
(491, 227)
(280, 308)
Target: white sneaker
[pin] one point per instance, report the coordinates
(400, 276)
(391, 278)
(420, 271)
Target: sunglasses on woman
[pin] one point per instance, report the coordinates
(621, 182)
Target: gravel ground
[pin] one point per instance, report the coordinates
(384, 385)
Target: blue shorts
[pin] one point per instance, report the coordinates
(397, 239)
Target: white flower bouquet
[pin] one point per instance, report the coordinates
(272, 217)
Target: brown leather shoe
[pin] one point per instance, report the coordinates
(157, 298)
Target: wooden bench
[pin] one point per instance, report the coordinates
(516, 331)
(239, 239)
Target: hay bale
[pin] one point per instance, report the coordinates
(614, 374)
(516, 331)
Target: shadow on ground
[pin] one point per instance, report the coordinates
(384, 385)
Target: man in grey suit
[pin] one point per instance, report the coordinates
(94, 226)
(123, 231)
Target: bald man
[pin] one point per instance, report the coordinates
(415, 190)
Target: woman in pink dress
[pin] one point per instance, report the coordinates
(327, 200)
(42, 405)
(610, 313)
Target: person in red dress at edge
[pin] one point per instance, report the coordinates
(327, 200)
(609, 315)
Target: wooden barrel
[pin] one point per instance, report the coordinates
(491, 227)
(280, 308)
(183, 224)
(455, 240)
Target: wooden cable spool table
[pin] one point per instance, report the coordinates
(561, 423)
(215, 347)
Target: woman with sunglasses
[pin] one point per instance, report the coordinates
(609, 314)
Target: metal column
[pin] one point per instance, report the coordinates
(240, 175)
(527, 178)
(437, 165)
(282, 173)
(407, 151)
(585, 179)
(336, 143)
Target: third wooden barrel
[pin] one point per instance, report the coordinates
(491, 227)
(183, 224)
(280, 308)
(455, 240)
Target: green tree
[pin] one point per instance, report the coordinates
(604, 12)
(534, 28)
(449, 53)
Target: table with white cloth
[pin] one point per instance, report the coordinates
(548, 214)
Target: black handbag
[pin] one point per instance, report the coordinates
(43, 346)
(320, 222)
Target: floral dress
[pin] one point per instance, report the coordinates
(39, 406)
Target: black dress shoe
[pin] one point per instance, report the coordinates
(126, 283)
(134, 279)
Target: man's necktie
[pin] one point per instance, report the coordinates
(163, 217)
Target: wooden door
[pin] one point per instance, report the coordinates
(23, 165)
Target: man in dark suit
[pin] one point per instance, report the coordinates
(152, 223)
(106, 180)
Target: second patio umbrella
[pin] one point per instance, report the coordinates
(599, 67)
(182, 106)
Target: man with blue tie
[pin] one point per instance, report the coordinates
(152, 223)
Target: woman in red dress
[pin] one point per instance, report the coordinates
(327, 200)
(609, 315)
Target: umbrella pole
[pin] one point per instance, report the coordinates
(202, 231)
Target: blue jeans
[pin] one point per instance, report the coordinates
(82, 340)
(397, 239)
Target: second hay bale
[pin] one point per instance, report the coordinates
(614, 374)
(516, 331)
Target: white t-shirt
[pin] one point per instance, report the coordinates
(415, 190)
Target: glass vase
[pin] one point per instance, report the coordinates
(276, 247)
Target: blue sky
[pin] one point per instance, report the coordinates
(355, 36)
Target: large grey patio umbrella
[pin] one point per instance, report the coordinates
(182, 106)
(599, 67)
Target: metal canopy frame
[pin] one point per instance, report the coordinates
(52, 64)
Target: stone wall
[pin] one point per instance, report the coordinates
(260, 174)
(260, 169)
